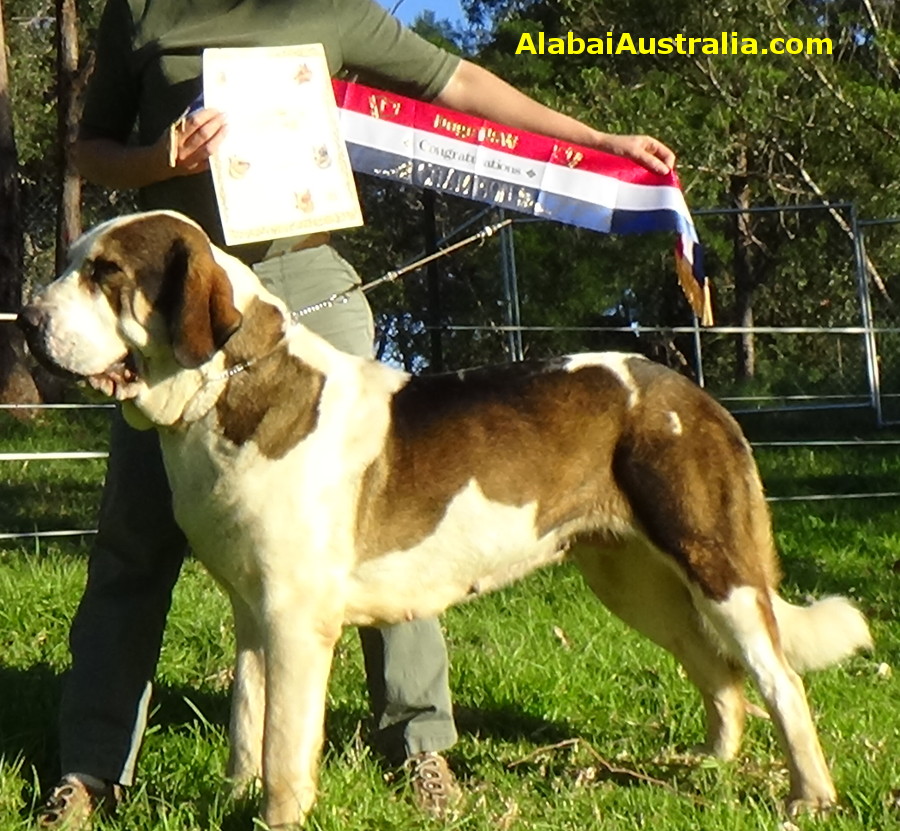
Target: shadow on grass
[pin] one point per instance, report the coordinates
(29, 712)
(507, 722)
(560, 750)
(554, 751)
(345, 724)
(62, 505)
(29, 702)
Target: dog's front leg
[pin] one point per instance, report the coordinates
(247, 699)
(299, 646)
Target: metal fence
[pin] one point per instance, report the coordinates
(842, 342)
(829, 272)
(884, 320)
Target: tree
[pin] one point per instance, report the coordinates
(16, 385)
(10, 219)
(70, 87)
(752, 131)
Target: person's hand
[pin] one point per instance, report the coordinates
(645, 150)
(190, 141)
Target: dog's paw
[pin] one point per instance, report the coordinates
(244, 789)
(815, 806)
(712, 752)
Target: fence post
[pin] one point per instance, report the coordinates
(698, 353)
(511, 290)
(433, 277)
(865, 302)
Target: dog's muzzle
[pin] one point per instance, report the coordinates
(29, 320)
(32, 321)
(113, 380)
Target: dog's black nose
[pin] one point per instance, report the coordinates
(29, 319)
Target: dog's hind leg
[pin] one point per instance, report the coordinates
(636, 585)
(247, 700)
(689, 476)
(746, 622)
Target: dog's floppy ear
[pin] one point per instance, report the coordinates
(198, 304)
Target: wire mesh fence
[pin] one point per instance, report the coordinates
(809, 324)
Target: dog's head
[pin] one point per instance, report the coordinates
(141, 295)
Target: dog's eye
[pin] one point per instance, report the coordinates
(100, 269)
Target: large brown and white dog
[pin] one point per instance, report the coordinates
(322, 490)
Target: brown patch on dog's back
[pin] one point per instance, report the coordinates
(520, 431)
(275, 401)
(586, 449)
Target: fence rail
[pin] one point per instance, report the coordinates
(865, 342)
(83, 455)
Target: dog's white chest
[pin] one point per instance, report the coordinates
(216, 503)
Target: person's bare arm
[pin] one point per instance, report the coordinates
(110, 163)
(477, 91)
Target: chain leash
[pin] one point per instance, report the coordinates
(341, 297)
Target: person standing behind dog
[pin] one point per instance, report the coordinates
(148, 71)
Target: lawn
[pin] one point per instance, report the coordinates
(567, 719)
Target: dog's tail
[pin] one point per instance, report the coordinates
(821, 634)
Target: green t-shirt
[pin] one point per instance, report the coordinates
(149, 59)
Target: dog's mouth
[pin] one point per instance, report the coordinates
(118, 379)
(119, 376)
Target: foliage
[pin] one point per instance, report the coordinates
(30, 40)
(751, 131)
(757, 131)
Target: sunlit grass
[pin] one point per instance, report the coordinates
(568, 720)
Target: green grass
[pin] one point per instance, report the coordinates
(568, 720)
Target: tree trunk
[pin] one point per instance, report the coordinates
(69, 88)
(743, 273)
(16, 383)
(10, 215)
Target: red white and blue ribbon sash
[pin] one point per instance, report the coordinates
(409, 141)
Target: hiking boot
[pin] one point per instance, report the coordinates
(433, 785)
(74, 800)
